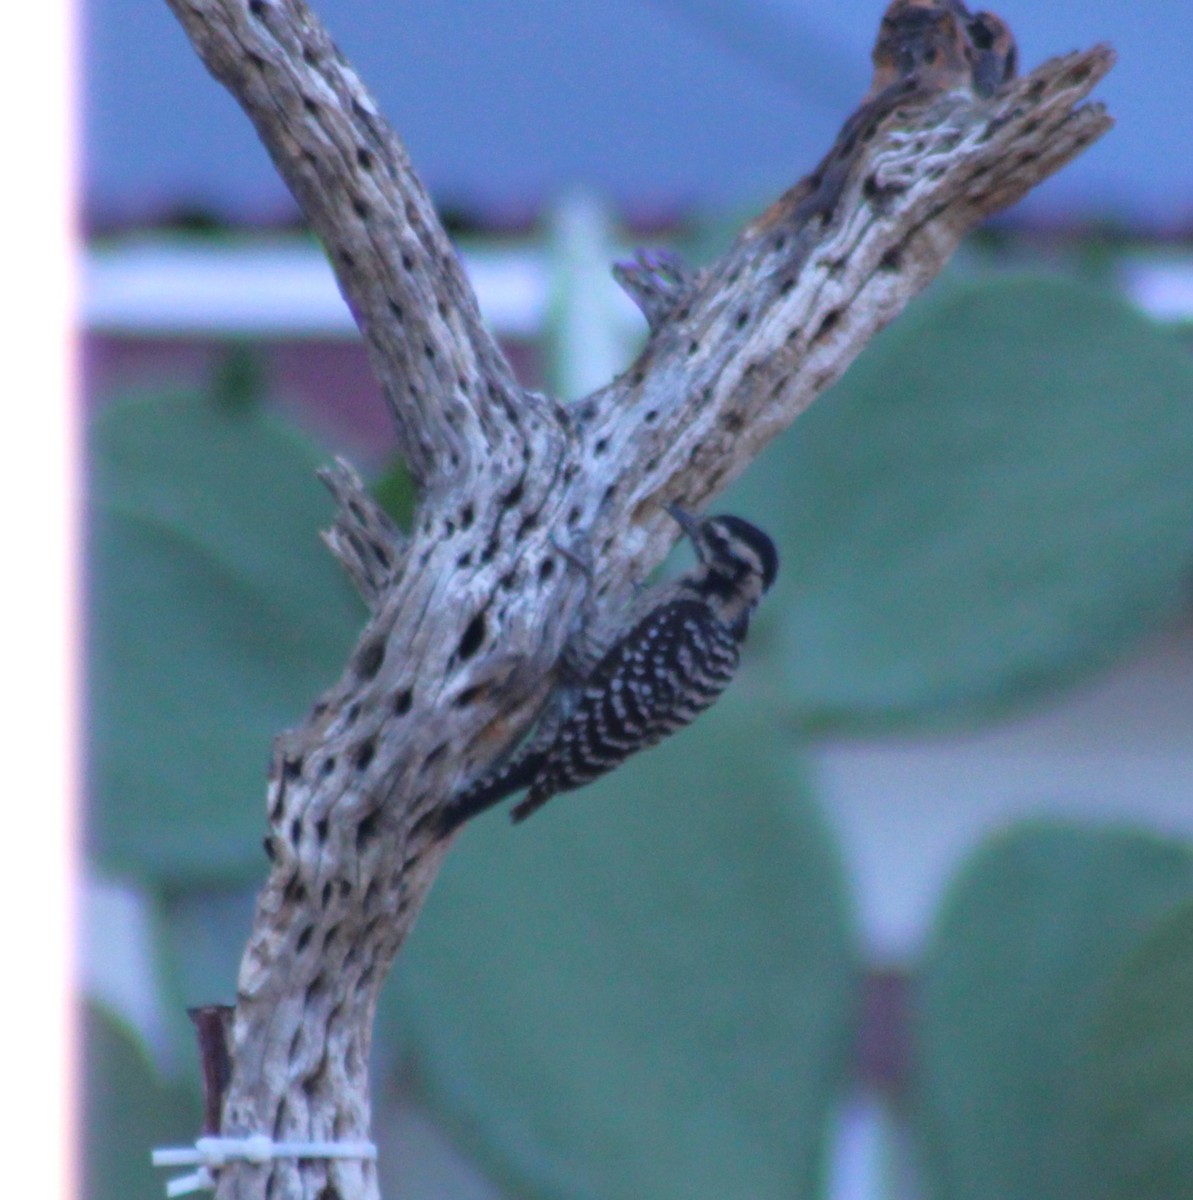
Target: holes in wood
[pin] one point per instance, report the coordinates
(546, 570)
(304, 938)
(364, 158)
(827, 324)
(380, 554)
(650, 416)
(315, 989)
(313, 1083)
(321, 830)
(361, 209)
(367, 829)
(369, 658)
(473, 637)
(468, 696)
(364, 754)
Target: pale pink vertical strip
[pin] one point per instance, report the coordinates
(40, 611)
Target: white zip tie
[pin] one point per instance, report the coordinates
(210, 1153)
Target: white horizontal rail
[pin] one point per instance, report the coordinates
(273, 289)
(285, 289)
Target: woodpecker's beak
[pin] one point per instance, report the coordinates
(688, 523)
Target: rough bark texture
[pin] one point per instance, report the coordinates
(471, 609)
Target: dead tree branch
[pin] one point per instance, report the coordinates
(470, 611)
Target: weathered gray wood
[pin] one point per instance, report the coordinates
(469, 618)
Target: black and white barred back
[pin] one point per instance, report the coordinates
(667, 669)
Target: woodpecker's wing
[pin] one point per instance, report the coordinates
(666, 671)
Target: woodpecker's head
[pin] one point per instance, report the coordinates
(738, 563)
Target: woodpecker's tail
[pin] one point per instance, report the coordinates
(489, 790)
(535, 799)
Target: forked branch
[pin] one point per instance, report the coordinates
(471, 610)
